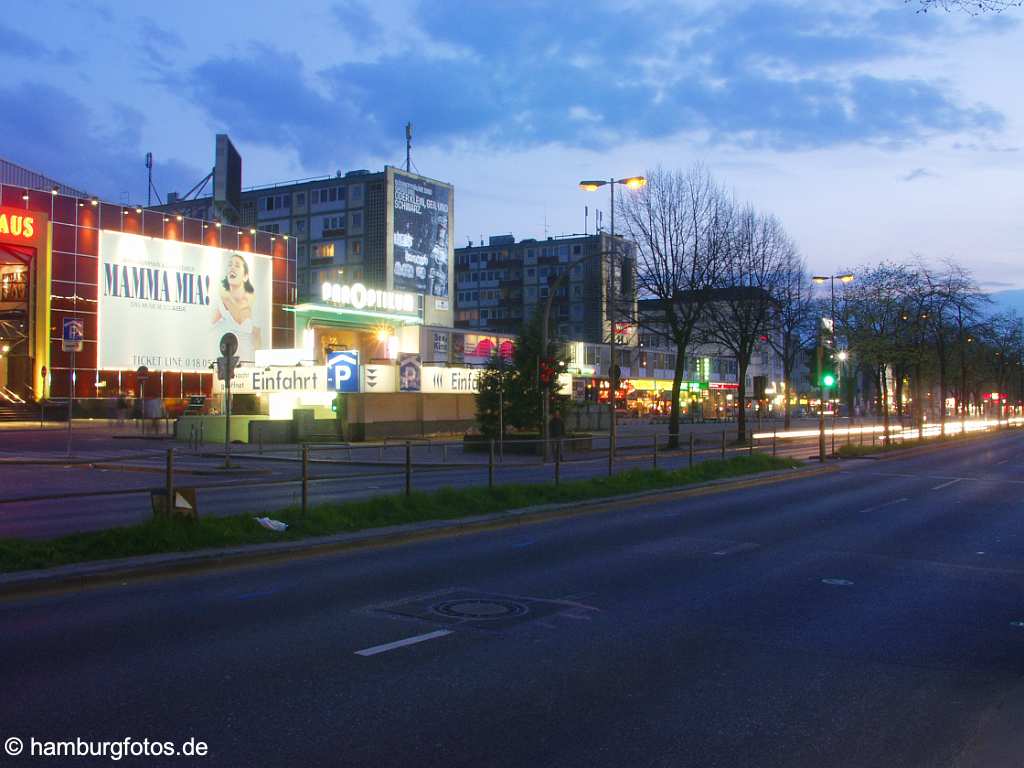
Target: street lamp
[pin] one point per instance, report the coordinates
(845, 277)
(592, 185)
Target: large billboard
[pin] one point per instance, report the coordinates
(421, 218)
(165, 304)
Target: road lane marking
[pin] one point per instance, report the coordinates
(948, 483)
(1002, 462)
(837, 582)
(882, 506)
(373, 651)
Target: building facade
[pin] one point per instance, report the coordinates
(388, 230)
(501, 285)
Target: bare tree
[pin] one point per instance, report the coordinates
(676, 223)
(973, 7)
(792, 328)
(744, 307)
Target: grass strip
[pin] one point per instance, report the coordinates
(160, 535)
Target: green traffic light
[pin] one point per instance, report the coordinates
(828, 379)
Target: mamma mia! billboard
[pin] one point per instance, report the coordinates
(421, 229)
(165, 304)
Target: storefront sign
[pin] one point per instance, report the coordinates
(358, 296)
(259, 381)
(166, 304)
(722, 385)
(438, 380)
(17, 225)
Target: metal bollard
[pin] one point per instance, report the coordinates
(775, 437)
(380, 452)
(655, 454)
(259, 439)
(723, 446)
(305, 479)
(490, 465)
(691, 450)
(170, 482)
(444, 453)
(750, 452)
(408, 468)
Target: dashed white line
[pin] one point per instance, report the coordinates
(940, 486)
(374, 650)
(882, 506)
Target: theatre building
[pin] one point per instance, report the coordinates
(149, 290)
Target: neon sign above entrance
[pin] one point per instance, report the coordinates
(358, 296)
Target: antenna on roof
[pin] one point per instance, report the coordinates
(408, 146)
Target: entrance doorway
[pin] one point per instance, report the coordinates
(15, 318)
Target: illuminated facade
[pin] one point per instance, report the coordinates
(50, 269)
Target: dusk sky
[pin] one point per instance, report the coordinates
(872, 131)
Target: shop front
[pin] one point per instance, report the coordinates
(151, 290)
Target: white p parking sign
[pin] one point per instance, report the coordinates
(343, 371)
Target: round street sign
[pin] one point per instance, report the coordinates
(142, 373)
(42, 372)
(228, 344)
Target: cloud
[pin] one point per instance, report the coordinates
(75, 150)
(918, 173)
(159, 44)
(357, 20)
(17, 45)
(763, 75)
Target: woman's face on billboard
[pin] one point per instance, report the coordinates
(237, 271)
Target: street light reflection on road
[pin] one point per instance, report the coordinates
(898, 432)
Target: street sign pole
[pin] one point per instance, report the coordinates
(228, 346)
(71, 396)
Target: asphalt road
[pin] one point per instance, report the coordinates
(870, 618)
(46, 500)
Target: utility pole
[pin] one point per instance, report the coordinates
(408, 149)
(149, 187)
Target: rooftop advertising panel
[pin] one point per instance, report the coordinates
(421, 219)
(165, 304)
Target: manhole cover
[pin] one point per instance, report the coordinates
(480, 609)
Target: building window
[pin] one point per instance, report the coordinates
(300, 226)
(300, 198)
(323, 251)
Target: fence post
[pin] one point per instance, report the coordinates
(691, 449)
(408, 468)
(305, 479)
(655, 454)
(775, 437)
(259, 436)
(723, 445)
(611, 453)
(750, 451)
(558, 461)
(490, 465)
(170, 482)
(444, 452)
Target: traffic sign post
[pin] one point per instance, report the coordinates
(72, 340)
(226, 366)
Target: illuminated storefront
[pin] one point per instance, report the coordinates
(152, 289)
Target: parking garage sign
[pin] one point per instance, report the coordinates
(343, 371)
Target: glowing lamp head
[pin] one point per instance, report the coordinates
(592, 186)
(828, 379)
(635, 182)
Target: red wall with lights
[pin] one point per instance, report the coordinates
(74, 284)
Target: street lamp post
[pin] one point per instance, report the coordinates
(846, 277)
(631, 182)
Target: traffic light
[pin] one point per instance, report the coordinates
(829, 374)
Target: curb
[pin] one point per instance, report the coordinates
(84, 575)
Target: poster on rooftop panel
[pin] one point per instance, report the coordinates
(165, 304)
(421, 236)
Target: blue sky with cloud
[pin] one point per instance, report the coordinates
(872, 131)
